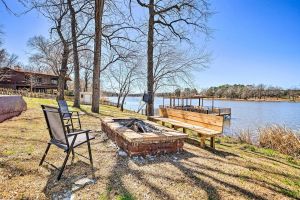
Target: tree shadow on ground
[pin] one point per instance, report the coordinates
(192, 172)
(272, 159)
(75, 177)
(121, 169)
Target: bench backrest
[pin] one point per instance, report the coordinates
(208, 121)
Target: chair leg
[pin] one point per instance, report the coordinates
(72, 124)
(44, 156)
(64, 164)
(91, 157)
(79, 122)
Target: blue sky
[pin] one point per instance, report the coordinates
(254, 41)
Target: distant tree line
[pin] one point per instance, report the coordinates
(261, 91)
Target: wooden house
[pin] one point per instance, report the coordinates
(33, 81)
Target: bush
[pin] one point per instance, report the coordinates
(245, 136)
(279, 138)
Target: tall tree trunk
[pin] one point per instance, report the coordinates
(123, 100)
(75, 56)
(150, 76)
(63, 73)
(86, 81)
(99, 6)
(119, 98)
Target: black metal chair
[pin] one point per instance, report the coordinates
(60, 137)
(68, 115)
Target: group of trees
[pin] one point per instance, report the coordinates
(249, 91)
(6, 59)
(132, 44)
(186, 92)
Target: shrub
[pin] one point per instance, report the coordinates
(245, 136)
(279, 138)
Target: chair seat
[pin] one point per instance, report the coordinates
(80, 139)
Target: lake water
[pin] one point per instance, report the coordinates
(245, 115)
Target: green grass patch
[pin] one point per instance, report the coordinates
(9, 152)
(291, 193)
(292, 160)
(292, 182)
(126, 196)
(103, 196)
(29, 149)
(263, 151)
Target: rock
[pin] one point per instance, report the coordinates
(122, 153)
(11, 106)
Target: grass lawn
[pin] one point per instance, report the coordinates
(232, 171)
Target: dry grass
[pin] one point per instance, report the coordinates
(281, 139)
(232, 171)
(245, 136)
(275, 137)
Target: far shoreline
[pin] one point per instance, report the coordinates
(242, 100)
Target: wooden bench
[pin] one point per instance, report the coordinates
(206, 126)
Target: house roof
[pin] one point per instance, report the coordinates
(36, 73)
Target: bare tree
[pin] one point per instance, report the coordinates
(177, 17)
(78, 9)
(122, 78)
(56, 12)
(173, 67)
(86, 62)
(99, 10)
(46, 55)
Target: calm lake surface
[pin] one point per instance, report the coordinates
(245, 115)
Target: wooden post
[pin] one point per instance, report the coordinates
(199, 101)
(212, 142)
(202, 142)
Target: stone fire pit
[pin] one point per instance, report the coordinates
(142, 137)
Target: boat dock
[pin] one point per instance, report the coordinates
(188, 104)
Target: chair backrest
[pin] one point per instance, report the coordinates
(55, 124)
(63, 107)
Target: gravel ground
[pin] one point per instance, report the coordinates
(232, 171)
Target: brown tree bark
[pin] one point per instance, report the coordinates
(75, 56)
(150, 76)
(63, 73)
(99, 7)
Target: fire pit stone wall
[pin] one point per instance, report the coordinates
(134, 143)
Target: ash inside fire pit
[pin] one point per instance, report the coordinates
(139, 126)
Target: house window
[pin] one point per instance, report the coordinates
(54, 81)
(39, 80)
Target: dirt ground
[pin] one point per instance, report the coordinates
(232, 171)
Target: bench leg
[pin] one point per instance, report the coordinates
(163, 123)
(212, 142)
(184, 130)
(202, 142)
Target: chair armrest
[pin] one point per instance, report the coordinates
(63, 114)
(78, 132)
